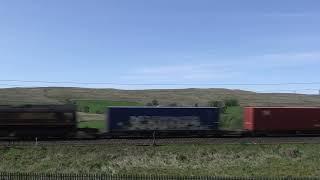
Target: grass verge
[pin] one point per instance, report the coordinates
(181, 160)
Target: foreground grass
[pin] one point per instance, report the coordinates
(213, 160)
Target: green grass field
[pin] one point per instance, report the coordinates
(232, 118)
(100, 106)
(87, 120)
(183, 160)
(93, 124)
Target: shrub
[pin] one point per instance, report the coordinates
(86, 109)
(149, 104)
(215, 104)
(155, 102)
(218, 104)
(173, 104)
(99, 112)
(231, 102)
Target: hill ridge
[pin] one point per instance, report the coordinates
(184, 97)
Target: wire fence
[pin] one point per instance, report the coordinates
(41, 176)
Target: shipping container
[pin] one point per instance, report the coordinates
(282, 119)
(37, 120)
(162, 118)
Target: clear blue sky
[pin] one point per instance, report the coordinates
(160, 41)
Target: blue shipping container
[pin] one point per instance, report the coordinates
(162, 118)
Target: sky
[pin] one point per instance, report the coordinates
(151, 44)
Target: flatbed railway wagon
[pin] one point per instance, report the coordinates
(282, 120)
(38, 121)
(163, 121)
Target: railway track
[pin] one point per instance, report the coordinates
(168, 141)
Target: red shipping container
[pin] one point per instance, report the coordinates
(281, 119)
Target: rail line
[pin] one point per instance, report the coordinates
(167, 141)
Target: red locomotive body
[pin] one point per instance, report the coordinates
(282, 119)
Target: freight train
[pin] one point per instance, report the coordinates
(60, 121)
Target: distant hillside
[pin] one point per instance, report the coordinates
(185, 97)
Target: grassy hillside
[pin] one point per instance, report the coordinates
(186, 97)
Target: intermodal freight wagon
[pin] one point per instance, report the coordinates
(282, 120)
(141, 120)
